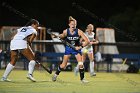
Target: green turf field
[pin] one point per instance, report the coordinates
(69, 83)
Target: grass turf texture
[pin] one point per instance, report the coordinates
(69, 83)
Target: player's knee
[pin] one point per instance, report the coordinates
(13, 63)
(62, 66)
(80, 64)
(91, 60)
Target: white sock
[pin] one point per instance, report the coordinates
(77, 68)
(31, 67)
(8, 70)
(92, 67)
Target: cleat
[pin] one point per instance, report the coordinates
(84, 81)
(54, 77)
(30, 77)
(93, 74)
(5, 79)
(76, 71)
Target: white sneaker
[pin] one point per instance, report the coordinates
(30, 77)
(5, 79)
(54, 77)
(92, 74)
(76, 71)
(84, 81)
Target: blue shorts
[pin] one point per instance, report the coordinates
(71, 51)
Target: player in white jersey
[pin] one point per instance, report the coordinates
(88, 50)
(21, 43)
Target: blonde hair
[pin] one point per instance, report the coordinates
(72, 19)
(91, 25)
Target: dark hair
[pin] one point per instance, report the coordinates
(32, 21)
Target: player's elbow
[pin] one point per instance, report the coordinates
(88, 42)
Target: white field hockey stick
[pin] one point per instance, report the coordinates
(124, 61)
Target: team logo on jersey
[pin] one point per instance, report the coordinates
(72, 38)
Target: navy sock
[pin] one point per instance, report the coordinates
(58, 70)
(81, 70)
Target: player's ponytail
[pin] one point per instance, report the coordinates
(72, 19)
(32, 21)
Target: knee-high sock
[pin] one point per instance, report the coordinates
(59, 69)
(77, 68)
(9, 68)
(31, 67)
(92, 67)
(81, 71)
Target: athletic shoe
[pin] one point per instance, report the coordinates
(93, 74)
(30, 77)
(54, 77)
(84, 81)
(5, 79)
(76, 71)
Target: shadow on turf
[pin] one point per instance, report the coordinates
(64, 82)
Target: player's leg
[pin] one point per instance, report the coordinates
(10, 66)
(91, 58)
(61, 67)
(81, 67)
(30, 56)
(76, 69)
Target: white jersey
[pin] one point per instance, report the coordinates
(18, 41)
(23, 32)
(89, 47)
(90, 37)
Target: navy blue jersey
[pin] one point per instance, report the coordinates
(73, 39)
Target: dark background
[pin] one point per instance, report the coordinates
(122, 15)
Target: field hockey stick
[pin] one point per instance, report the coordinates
(63, 41)
(124, 61)
(10, 8)
(46, 68)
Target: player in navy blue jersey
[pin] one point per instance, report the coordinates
(73, 35)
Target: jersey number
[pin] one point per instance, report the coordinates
(23, 30)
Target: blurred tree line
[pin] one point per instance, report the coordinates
(129, 21)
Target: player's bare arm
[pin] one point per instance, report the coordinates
(84, 37)
(63, 35)
(30, 39)
(94, 41)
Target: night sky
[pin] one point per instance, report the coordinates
(54, 13)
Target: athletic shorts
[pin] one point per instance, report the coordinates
(88, 48)
(18, 44)
(71, 51)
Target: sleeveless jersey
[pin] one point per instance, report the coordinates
(89, 47)
(73, 39)
(90, 37)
